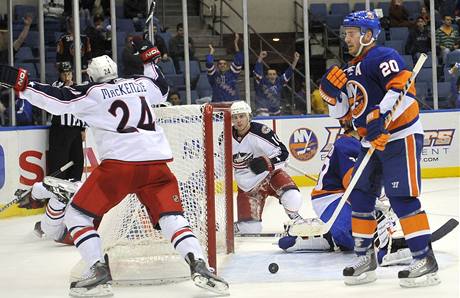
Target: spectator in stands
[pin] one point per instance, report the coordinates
(174, 98)
(454, 78)
(268, 88)
(176, 47)
(17, 43)
(223, 79)
(160, 43)
(419, 40)
(100, 37)
(132, 64)
(425, 15)
(318, 105)
(446, 37)
(66, 49)
(135, 10)
(399, 16)
(24, 112)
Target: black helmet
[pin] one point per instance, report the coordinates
(64, 66)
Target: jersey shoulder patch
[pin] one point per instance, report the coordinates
(260, 129)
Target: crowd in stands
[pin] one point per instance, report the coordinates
(405, 24)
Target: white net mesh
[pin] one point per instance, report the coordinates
(137, 252)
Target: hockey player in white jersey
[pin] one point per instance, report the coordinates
(134, 153)
(258, 161)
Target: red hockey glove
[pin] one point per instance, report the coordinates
(332, 84)
(261, 164)
(146, 51)
(11, 77)
(376, 132)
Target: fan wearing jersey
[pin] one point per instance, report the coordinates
(366, 89)
(258, 161)
(134, 153)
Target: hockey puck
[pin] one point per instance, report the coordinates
(273, 268)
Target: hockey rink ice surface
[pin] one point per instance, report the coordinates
(39, 268)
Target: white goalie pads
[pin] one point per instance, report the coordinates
(400, 257)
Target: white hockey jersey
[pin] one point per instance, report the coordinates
(119, 112)
(260, 140)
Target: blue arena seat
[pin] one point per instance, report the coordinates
(334, 21)
(413, 7)
(362, 6)
(318, 11)
(425, 75)
(167, 67)
(398, 45)
(24, 55)
(409, 61)
(203, 87)
(340, 9)
(385, 6)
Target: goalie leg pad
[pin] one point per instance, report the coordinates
(307, 244)
(291, 201)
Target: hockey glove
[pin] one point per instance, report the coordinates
(332, 84)
(146, 50)
(377, 134)
(11, 77)
(261, 164)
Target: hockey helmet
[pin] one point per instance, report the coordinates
(365, 20)
(240, 107)
(102, 69)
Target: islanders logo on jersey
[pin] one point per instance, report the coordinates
(303, 144)
(357, 98)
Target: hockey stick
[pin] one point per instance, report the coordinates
(302, 172)
(259, 235)
(21, 195)
(444, 229)
(318, 227)
(146, 34)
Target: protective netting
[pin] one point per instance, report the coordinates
(137, 251)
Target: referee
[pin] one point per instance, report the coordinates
(66, 134)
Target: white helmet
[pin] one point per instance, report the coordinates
(240, 107)
(102, 69)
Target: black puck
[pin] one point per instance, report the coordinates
(273, 268)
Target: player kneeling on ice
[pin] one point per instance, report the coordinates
(258, 160)
(333, 179)
(367, 89)
(134, 153)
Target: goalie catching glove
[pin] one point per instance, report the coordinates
(332, 84)
(261, 164)
(146, 50)
(11, 77)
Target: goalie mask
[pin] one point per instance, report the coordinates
(102, 69)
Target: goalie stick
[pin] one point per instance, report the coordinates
(20, 195)
(323, 227)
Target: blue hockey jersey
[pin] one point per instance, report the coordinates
(336, 172)
(268, 94)
(224, 85)
(375, 79)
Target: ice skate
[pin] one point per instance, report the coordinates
(96, 284)
(38, 230)
(204, 278)
(420, 273)
(63, 189)
(362, 271)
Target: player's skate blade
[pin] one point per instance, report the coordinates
(204, 278)
(362, 271)
(97, 284)
(421, 273)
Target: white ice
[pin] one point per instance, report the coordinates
(39, 268)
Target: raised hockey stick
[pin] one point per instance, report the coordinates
(302, 172)
(148, 20)
(21, 195)
(317, 227)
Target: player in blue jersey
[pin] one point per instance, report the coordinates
(367, 89)
(268, 88)
(223, 79)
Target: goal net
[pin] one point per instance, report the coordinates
(200, 138)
